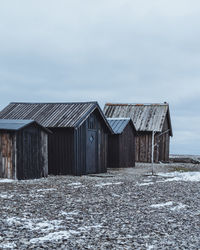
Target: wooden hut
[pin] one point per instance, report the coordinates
(149, 120)
(23, 149)
(79, 141)
(121, 145)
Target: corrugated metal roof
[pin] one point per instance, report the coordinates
(16, 124)
(52, 115)
(6, 124)
(145, 117)
(118, 124)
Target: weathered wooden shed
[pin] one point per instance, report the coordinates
(23, 149)
(148, 119)
(79, 141)
(121, 145)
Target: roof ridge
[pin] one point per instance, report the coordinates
(137, 104)
(92, 102)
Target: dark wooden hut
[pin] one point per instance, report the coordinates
(121, 145)
(149, 120)
(23, 149)
(79, 141)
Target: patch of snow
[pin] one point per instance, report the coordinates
(68, 216)
(54, 236)
(179, 176)
(7, 180)
(33, 181)
(47, 226)
(79, 186)
(5, 196)
(75, 184)
(7, 245)
(34, 225)
(69, 213)
(116, 195)
(37, 195)
(108, 184)
(169, 203)
(150, 247)
(13, 220)
(145, 184)
(178, 207)
(45, 189)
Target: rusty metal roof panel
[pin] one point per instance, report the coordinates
(145, 117)
(118, 124)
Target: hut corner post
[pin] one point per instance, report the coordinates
(152, 152)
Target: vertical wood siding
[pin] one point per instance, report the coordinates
(23, 153)
(44, 152)
(7, 155)
(67, 148)
(99, 157)
(113, 151)
(143, 147)
(61, 152)
(103, 146)
(164, 144)
(31, 153)
(121, 149)
(127, 148)
(161, 150)
(80, 150)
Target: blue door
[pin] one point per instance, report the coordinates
(91, 152)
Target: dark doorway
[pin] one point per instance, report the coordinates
(91, 152)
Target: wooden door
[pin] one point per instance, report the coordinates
(91, 152)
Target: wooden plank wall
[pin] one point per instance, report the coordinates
(44, 152)
(127, 148)
(101, 147)
(7, 155)
(67, 149)
(30, 153)
(143, 147)
(113, 151)
(61, 156)
(164, 143)
(80, 150)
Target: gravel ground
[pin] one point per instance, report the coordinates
(122, 209)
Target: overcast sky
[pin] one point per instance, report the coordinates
(131, 51)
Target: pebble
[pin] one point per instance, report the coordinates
(91, 216)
